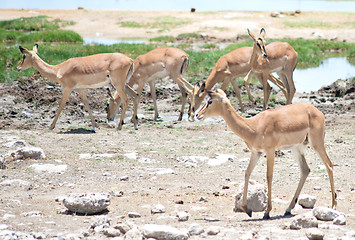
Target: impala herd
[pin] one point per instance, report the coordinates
(289, 127)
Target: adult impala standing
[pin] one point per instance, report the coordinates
(288, 127)
(80, 73)
(158, 63)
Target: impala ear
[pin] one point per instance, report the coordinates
(21, 49)
(262, 32)
(35, 48)
(251, 35)
(220, 91)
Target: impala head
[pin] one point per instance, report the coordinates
(214, 105)
(27, 57)
(112, 106)
(259, 42)
(195, 100)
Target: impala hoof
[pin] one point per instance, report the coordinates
(287, 213)
(249, 212)
(266, 215)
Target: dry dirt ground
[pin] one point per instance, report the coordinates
(151, 165)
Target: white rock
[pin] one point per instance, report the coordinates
(133, 234)
(87, 203)
(306, 220)
(195, 229)
(326, 214)
(314, 234)
(28, 152)
(8, 216)
(3, 226)
(163, 232)
(213, 230)
(340, 220)
(112, 232)
(256, 197)
(134, 215)
(159, 208)
(307, 201)
(183, 216)
(15, 144)
(32, 214)
(50, 168)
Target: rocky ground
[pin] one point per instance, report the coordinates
(179, 178)
(191, 168)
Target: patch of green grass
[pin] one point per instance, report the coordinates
(132, 24)
(210, 46)
(39, 23)
(308, 24)
(162, 23)
(163, 39)
(52, 36)
(188, 35)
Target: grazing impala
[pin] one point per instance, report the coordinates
(229, 67)
(277, 57)
(80, 73)
(158, 63)
(288, 127)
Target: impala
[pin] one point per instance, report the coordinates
(229, 67)
(158, 63)
(80, 73)
(288, 127)
(277, 57)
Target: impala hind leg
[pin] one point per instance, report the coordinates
(305, 170)
(153, 93)
(270, 161)
(63, 101)
(83, 97)
(252, 163)
(183, 102)
(320, 149)
(237, 92)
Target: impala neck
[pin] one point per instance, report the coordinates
(239, 125)
(254, 57)
(46, 70)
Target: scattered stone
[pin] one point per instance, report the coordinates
(28, 152)
(306, 201)
(123, 228)
(2, 162)
(203, 199)
(133, 234)
(314, 234)
(306, 220)
(124, 178)
(112, 232)
(15, 182)
(8, 216)
(340, 220)
(87, 203)
(163, 232)
(256, 198)
(159, 208)
(326, 214)
(134, 215)
(49, 168)
(183, 216)
(195, 229)
(32, 214)
(214, 230)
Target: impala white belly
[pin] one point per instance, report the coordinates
(161, 74)
(95, 85)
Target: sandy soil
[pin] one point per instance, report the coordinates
(105, 24)
(153, 157)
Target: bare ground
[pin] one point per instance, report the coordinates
(158, 173)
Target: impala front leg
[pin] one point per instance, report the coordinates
(246, 80)
(154, 97)
(63, 101)
(83, 97)
(252, 163)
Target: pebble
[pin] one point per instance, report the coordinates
(159, 208)
(195, 229)
(183, 216)
(87, 203)
(163, 232)
(306, 220)
(307, 201)
(256, 197)
(314, 234)
(326, 214)
(134, 215)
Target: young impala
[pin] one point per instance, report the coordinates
(277, 57)
(288, 127)
(80, 73)
(158, 63)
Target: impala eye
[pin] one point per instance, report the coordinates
(209, 102)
